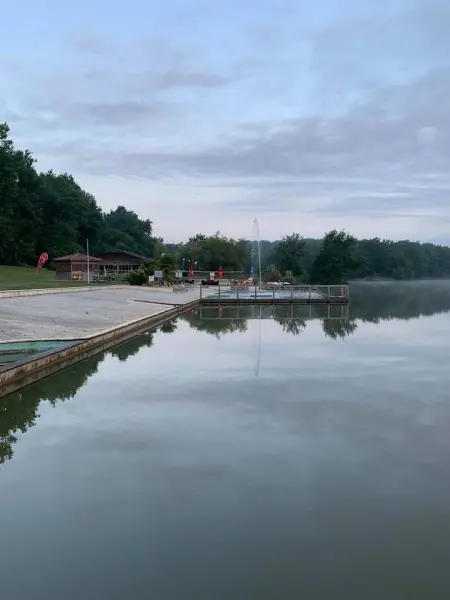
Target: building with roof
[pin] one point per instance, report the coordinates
(120, 262)
(74, 267)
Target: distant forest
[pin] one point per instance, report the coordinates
(48, 212)
(371, 259)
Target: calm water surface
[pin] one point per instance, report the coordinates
(240, 454)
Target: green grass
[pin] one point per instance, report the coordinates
(24, 278)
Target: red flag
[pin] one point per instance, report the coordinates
(220, 273)
(42, 260)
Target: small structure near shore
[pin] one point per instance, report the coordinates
(74, 267)
(121, 262)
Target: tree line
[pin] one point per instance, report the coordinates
(49, 212)
(336, 258)
(341, 256)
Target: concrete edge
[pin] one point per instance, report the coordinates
(44, 339)
(28, 372)
(62, 290)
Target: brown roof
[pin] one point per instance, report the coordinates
(77, 257)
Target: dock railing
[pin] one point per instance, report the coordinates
(267, 292)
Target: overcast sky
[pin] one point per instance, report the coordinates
(201, 115)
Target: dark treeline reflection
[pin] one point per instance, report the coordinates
(19, 410)
(382, 301)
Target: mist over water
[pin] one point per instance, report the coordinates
(241, 452)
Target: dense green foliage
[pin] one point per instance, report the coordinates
(211, 252)
(366, 259)
(288, 254)
(335, 260)
(138, 277)
(271, 273)
(45, 212)
(361, 259)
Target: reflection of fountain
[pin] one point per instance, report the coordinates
(256, 249)
(258, 344)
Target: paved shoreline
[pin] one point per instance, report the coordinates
(94, 321)
(83, 314)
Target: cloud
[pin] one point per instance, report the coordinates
(121, 85)
(325, 114)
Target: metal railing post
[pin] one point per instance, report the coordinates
(292, 293)
(219, 292)
(255, 291)
(273, 295)
(201, 291)
(328, 294)
(310, 294)
(237, 295)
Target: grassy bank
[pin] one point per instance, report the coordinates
(24, 278)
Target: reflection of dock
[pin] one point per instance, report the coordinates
(210, 312)
(271, 294)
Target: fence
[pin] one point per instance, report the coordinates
(278, 293)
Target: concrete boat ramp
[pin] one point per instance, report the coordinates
(88, 320)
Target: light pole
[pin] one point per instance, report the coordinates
(87, 253)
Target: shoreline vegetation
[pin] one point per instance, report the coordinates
(49, 212)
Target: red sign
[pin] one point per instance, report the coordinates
(42, 260)
(220, 273)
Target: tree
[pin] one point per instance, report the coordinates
(335, 259)
(211, 252)
(124, 230)
(166, 264)
(288, 254)
(271, 273)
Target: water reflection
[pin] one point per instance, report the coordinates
(220, 320)
(369, 302)
(375, 302)
(372, 303)
(19, 410)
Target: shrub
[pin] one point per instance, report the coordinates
(138, 277)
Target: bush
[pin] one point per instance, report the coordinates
(138, 277)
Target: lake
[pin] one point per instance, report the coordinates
(251, 453)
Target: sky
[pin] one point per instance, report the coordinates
(202, 115)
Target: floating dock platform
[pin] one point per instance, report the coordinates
(280, 294)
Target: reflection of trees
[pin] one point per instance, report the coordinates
(215, 322)
(372, 301)
(375, 302)
(339, 328)
(19, 410)
(169, 327)
(132, 346)
(17, 413)
(292, 326)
